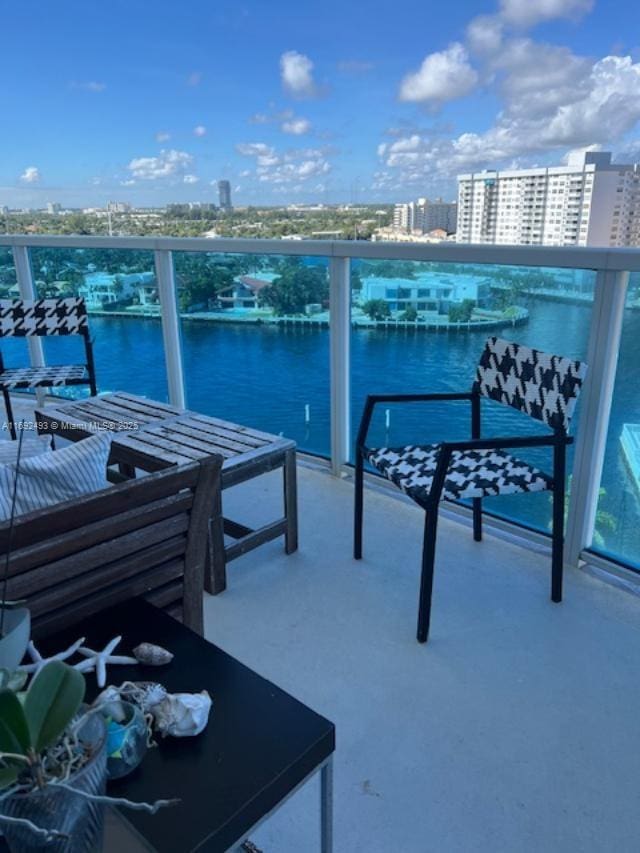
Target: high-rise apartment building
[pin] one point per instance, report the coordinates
(423, 216)
(53, 207)
(589, 202)
(224, 195)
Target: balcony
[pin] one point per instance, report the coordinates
(516, 727)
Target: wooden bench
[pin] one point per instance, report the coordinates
(145, 537)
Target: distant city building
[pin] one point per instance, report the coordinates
(53, 207)
(423, 216)
(4, 209)
(118, 207)
(589, 202)
(224, 195)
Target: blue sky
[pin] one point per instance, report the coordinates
(321, 101)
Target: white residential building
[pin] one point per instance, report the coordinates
(423, 216)
(589, 202)
(428, 292)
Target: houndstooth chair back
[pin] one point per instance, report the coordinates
(22, 318)
(545, 387)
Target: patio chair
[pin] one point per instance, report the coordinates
(24, 319)
(541, 386)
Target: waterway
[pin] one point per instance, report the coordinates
(277, 379)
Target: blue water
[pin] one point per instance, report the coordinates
(266, 376)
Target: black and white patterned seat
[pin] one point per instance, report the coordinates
(537, 384)
(39, 318)
(44, 377)
(471, 473)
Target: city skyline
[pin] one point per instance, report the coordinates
(330, 107)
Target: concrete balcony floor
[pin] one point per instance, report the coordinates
(516, 728)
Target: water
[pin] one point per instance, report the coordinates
(266, 376)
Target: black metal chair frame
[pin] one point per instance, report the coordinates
(558, 440)
(82, 330)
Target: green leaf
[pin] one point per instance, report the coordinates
(51, 702)
(8, 776)
(14, 731)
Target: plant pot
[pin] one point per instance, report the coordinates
(80, 819)
(13, 645)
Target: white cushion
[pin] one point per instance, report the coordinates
(51, 478)
(32, 445)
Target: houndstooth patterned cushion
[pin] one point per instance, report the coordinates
(546, 387)
(43, 377)
(471, 474)
(21, 318)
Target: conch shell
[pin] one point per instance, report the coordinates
(152, 655)
(182, 714)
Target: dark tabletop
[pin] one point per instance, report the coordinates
(260, 742)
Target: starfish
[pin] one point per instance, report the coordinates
(38, 661)
(99, 660)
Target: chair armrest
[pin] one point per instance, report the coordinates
(373, 400)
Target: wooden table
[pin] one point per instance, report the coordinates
(150, 436)
(259, 747)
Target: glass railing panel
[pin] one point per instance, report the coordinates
(422, 326)
(617, 528)
(120, 289)
(255, 342)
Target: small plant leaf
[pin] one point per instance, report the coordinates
(14, 731)
(8, 776)
(52, 700)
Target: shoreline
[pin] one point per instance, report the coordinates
(323, 323)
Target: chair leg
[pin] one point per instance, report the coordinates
(359, 507)
(477, 519)
(426, 578)
(9, 411)
(557, 544)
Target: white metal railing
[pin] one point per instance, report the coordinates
(611, 265)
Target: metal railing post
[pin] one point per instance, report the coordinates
(27, 288)
(595, 409)
(170, 327)
(340, 359)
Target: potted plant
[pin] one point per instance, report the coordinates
(53, 765)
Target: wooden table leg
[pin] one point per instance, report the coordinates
(216, 569)
(290, 502)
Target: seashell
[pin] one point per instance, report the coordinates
(152, 655)
(182, 714)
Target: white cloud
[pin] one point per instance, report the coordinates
(31, 175)
(443, 76)
(195, 78)
(167, 164)
(191, 179)
(528, 13)
(556, 104)
(163, 136)
(89, 85)
(128, 183)
(296, 71)
(484, 34)
(296, 126)
(200, 130)
(289, 167)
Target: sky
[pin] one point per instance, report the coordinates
(332, 102)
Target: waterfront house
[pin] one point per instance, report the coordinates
(101, 289)
(245, 291)
(427, 293)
